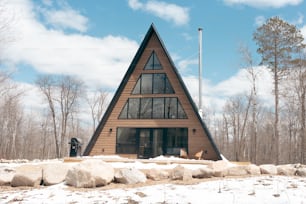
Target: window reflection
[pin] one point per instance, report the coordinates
(157, 83)
(153, 108)
(153, 63)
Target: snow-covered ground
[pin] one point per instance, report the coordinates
(262, 189)
(259, 189)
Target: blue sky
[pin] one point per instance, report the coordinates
(96, 40)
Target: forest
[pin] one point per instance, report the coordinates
(245, 129)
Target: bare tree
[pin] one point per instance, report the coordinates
(11, 114)
(278, 41)
(70, 91)
(248, 60)
(236, 113)
(62, 94)
(298, 76)
(47, 86)
(97, 103)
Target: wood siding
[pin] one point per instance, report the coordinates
(197, 139)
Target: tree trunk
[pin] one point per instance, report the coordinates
(275, 140)
(303, 127)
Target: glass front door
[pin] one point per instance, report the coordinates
(157, 142)
(145, 144)
(151, 142)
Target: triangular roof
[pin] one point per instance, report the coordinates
(151, 31)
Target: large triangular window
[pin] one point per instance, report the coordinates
(153, 108)
(153, 63)
(157, 83)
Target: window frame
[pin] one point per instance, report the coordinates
(126, 112)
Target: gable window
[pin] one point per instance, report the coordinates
(133, 108)
(145, 108)
(153, 108)
(153, 63)
(159, 110)
(157, 83)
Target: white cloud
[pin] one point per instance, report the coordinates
(264, 3)
(184, 64)
(47, 2)
(94, 60)
(67, 18)
(32, 100)
(169, 12)
(100, 61)
(299, 20)
(215, 95)
(260, 20)
(187, 36)
(303, 31)
(135, 4)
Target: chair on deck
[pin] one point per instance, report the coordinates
(199, 155)
(183, 154)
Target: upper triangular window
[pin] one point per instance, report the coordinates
(156, 83)
(153, 63)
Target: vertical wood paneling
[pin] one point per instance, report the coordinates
(197, 140)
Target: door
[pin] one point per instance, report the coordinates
(157, 142)
(145, 144)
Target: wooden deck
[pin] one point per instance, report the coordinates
(146, 161)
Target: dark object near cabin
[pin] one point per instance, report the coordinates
(75, 147)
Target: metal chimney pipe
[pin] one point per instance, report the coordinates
(200, 71)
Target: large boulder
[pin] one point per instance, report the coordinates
(6, 175)
(301, 172)
(253, 169)
(237, 171)
(181, 173)
(268, 169)
(157, 174)
(219, 168)
(286, 170)
(55, 173)
(130, 176)
(89, 174)
(203, 172)
(27, 175)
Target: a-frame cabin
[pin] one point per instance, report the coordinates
(152, 112)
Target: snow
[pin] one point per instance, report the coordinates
(262, 189)
(259, 189)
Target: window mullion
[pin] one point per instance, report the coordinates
(177, 104)
(139, 108)
(128, 109)
(153, 80)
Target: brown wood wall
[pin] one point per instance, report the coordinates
(197, 140)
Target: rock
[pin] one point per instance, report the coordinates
(181, 173)
(89, 174)
(203, 172)
(130, 176)
(55, 173)
(237, 171)
(27, 175)
(157, 174)
(286, 170)
(301, 172)
(268, 169)
(219, 168)
(253, 169)
(6, 175)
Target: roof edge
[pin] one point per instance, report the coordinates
(119, 90)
